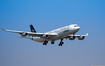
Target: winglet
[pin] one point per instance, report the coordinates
(87, 34)
(3, 29)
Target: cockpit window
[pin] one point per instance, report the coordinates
(76, 26)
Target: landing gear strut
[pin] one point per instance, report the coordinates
(45, 42)
(61, 43)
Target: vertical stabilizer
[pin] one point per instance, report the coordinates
(32, 28)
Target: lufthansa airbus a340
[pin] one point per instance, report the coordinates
(61, 33)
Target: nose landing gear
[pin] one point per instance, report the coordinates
(61, 43)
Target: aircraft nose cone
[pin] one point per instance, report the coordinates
(78, 28)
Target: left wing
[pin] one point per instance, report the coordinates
(80, 35)
(31, 33)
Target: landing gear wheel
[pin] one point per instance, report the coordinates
(44, 43)
(59, 44)
(52, 42)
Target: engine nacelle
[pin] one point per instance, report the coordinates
(81, 37)
(45, 36)
(72, 38)
(24, 34)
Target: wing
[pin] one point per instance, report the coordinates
(80, 37)
(31, 33)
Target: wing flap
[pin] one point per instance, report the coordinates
(40, 34)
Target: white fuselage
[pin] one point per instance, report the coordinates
(61, 33)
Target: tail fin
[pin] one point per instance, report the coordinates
(32, 28)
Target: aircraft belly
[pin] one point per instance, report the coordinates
(61, 35)
(39, 39)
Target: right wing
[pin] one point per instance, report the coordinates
(79, 35)
(31, 33)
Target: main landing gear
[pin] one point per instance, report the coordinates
(52, 42)
(45, 42)
(61, 43)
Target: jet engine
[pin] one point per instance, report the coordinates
(72, 38)
(45, 36)
(81, 37)
(24, 34)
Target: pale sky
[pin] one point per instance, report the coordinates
(46, 15)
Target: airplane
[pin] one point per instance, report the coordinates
(60, 33)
